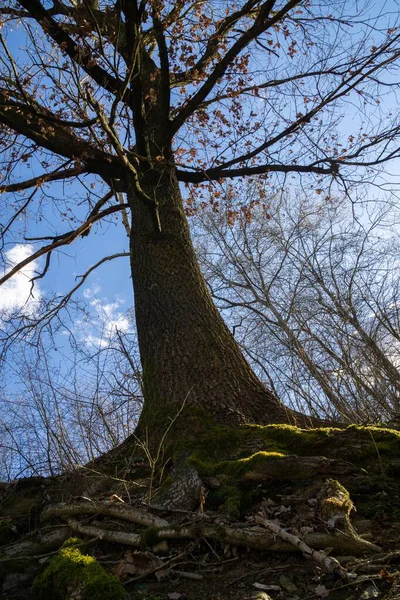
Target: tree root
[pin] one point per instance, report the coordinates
(297, 468)
(40, 543)
(183, 490)
(308, 514)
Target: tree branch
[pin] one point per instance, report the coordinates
(62, 240)
(261, 24)
(41, 179)
(221, 173)
(165, 68)
(31, 121)
(77, 54)
(214, 41)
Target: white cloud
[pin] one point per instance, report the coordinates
(91, 290)
(16, 292)
(107, 320)
(95, 341)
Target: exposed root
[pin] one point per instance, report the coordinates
(38, 543)
(117, 537)
(183, 490)
(297, 468)
(280, 503)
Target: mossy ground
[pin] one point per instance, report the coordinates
(228, 453)
(70, 570)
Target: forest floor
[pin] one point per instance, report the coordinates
(266, 525)
(254, 575)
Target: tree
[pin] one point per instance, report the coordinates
(138, 97)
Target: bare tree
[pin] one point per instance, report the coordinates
(310, 294)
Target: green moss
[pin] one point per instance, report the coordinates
(293, 440)
(240, 467)
(70, 569)
(233, 502)
(208, 439)
(72, 541)
(211, 441)
(228, 453)
(338, 498)
(233, 468)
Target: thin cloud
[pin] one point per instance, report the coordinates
(91, 291)
(16, 293)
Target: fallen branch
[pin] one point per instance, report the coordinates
(187, 575)
(330, 564)
(41, 543)
(254, 537)
(46, 554)
(117, 510)
(117, 537)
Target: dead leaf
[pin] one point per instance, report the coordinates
(267, 503)
(383, 574)
(139, 563)
(321, 591)
(306, 529)
(288, 584)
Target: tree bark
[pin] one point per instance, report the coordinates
(188, 354)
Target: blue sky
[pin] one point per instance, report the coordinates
(107, 291)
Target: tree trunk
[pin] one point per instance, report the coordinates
(188, 354)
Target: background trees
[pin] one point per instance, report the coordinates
(61, 408)
(311, 295)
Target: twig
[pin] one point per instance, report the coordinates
(187, 575)
(161, 567)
